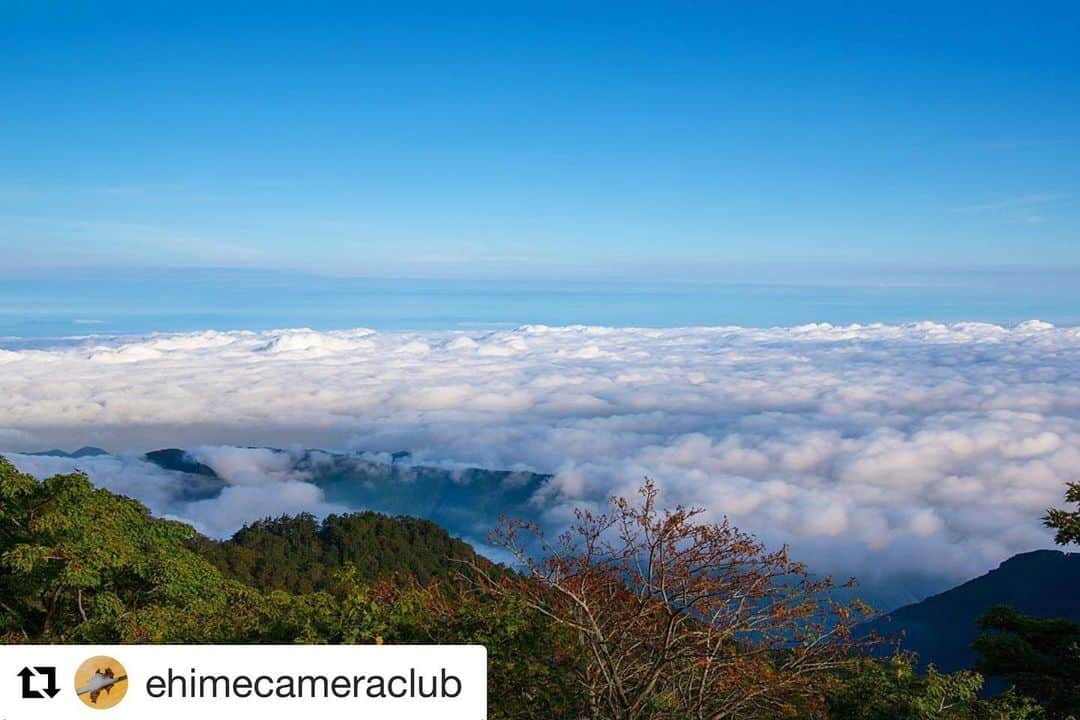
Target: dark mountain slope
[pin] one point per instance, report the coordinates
(80, 453)
(179, 461)
(1043, 583)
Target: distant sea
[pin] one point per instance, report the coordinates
(38, 306)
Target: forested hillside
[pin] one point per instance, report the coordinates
(668, 618)
(80, 564)
(302, 555)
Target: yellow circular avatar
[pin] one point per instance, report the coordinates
(101, 682)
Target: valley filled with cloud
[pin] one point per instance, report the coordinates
(909, 455)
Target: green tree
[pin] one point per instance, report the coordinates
(1067, 523)
(1040, 657)
(81, 564)
(532, 663)
(301, 554)
(892, 689)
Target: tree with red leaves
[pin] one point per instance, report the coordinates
(678, 618)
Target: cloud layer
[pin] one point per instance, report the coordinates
(923, 451)
(259, 483)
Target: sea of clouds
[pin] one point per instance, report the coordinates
(923, 452)
(260, 483)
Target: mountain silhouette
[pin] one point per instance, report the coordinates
(80, 453)
(941, 628)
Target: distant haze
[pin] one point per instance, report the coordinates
(109, 301)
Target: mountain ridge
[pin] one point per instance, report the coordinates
(941, 628)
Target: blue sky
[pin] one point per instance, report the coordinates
(586, 140)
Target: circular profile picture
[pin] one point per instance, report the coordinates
(101, 682)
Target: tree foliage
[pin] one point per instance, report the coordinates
(302, 555)
(81, 564)
(637, 613)
(1065, 522)
(679, 618)
(1040, 657)
(870, 689)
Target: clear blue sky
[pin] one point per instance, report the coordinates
(564, 139)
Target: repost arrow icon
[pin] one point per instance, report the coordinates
(50, 672)
(28, 693)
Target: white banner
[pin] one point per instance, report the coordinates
(219, 682)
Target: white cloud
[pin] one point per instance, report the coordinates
(249, 466)
(923, 450)
(259, 484)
